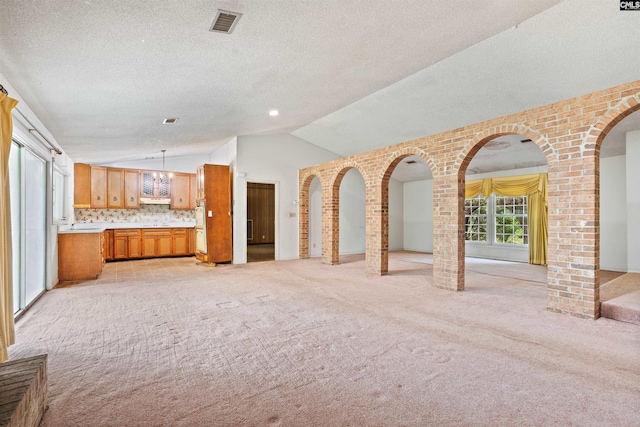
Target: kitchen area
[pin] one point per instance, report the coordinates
(126, 214)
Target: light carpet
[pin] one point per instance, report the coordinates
(165, 342)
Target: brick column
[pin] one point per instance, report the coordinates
(331, 224)
(303, 212)
(448, 239)
(573, 247)
(377, 231)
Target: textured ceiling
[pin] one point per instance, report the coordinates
(348, 76)
(102, 75)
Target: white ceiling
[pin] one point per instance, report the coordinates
(346, 75)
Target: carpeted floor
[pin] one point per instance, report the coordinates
(298, 343)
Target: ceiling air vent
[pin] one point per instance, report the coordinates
(169, 121)
(411, 162)
(225, 21)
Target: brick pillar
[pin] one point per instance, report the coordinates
(448, 239)
(573, 248)
(303, 209)
(377, 231)
(331, 224)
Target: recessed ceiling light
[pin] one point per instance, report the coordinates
(170, 121)
(273, 113)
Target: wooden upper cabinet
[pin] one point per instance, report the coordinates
(131, 189)
(115, 188)
(98, 187)
(81, 185)
(151, 185)
(180, 194)
(193, 190)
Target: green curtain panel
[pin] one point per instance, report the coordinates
(535, 188)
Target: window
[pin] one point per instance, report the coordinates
(511, 220)
(59, 197)
(496, 219)
(475, 219)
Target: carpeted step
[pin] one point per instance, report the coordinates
(625, 308)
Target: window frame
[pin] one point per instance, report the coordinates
(491, 232)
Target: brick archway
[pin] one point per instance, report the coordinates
(378, 220)
(331, 210)
(303, 206)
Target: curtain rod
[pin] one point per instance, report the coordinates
(33, 128)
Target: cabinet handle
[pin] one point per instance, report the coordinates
(132, 198)
(115, 199)
(180, 200)
(97, 197)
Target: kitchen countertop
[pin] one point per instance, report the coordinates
(99, 227)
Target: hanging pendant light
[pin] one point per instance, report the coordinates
(163, 178)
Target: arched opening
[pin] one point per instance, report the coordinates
(410, 215)
(504, 217)
(352, 216)
(619, 227)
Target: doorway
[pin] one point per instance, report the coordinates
(28, 180)
(261, 222)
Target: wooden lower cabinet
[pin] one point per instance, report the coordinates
(107, 245)
(126, 243)
(79, 256)
(148, 243)
(180, 240)
(156, 243)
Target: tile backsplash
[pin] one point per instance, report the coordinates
(146, 213)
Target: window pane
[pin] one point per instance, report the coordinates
(511, 220)
(475, 219)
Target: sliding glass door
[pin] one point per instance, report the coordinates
(28, 175)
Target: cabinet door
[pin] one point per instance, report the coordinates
(134, 244)
(108, 245)
(180, 241)
(98, 187)
(192, 241)
(180, 192)
(120, 247)
(115, 188)
(81, 185)
(149, 243)
(164, 244)
(131, 189)
(218, 202)
(146, 184)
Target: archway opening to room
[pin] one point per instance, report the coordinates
(505, 217)
(410, 216)
(619, 244)
(352, 216)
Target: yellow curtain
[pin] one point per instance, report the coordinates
(7, 334)
(535, 188)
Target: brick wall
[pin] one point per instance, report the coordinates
(569, 133)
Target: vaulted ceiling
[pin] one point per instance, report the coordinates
(348, 75)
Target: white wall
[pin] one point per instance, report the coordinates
(418, 215)
(274, 159)
(613, 214)
(352, 213)
(184, 164)
(633, 201)
(396, 215)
